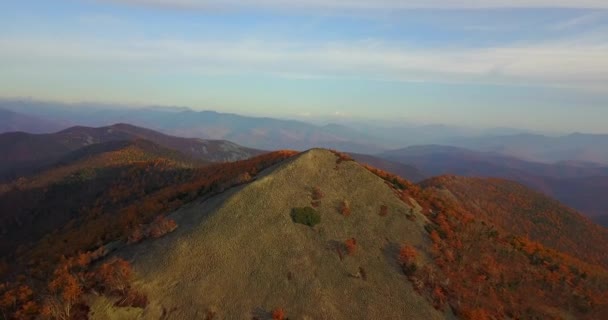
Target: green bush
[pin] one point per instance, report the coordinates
(306, 215)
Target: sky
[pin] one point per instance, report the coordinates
(534, 64)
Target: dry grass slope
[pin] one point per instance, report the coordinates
(240, 254)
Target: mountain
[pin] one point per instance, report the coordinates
(88, 194)
(247, 242)
(586, 194)
(14, 121)
(577, 185)
(24, 153)
(514, 208)
(341, 134)
(590, 148)
(439, 159)
(403, 170)
(256, 132)
(308, 235)
(85, 162)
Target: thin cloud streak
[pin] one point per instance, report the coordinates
(563, 64)
(364, 4)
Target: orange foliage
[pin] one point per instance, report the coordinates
(439, 297)
(482, 271)
(114, 276)
(113, 206)
(344, 208)
(383, 211)
(317, 194)
(478, 314)
(161, 226)
(278, 314)
(341, 156)
(133, 196)
(351, 246)
(407, 254)
(66, 291)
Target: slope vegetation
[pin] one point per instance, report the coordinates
(23, 153)
(312, 236)
(520, 211)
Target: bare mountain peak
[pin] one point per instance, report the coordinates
(246, 242)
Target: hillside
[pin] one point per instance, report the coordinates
(24, 153)
(84, 163)
(586, 194)
(11, 121)
(513, 208)
(311, 236)
(577, 185)
(242, 252)
(102, 195)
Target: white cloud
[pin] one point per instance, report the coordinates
(580, 21)
(368, 4)
(563, 63)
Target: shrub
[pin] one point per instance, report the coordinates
(136, 236)
(383, 211)
(363, 273)
(306, 215)
(351, 246)
(407, 258)
(278, 314)
(158, 228)
(114, 276)
(65, 293)
(409, 269)
(345, 208)
(407, 255)
(317, 194)
(341, 157)
(439, 297)
(161, 226)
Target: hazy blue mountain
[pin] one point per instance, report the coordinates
(350, 136)
(578, 185)
(579, 147)
(11, 121)
(255, 132)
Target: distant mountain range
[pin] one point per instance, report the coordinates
(272, 134)
(259, 133)
(14, 121)
(582, 148)
(578, 185)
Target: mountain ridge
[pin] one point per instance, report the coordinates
(576, 185)
(24, 153)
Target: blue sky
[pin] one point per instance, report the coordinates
(534, 64)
